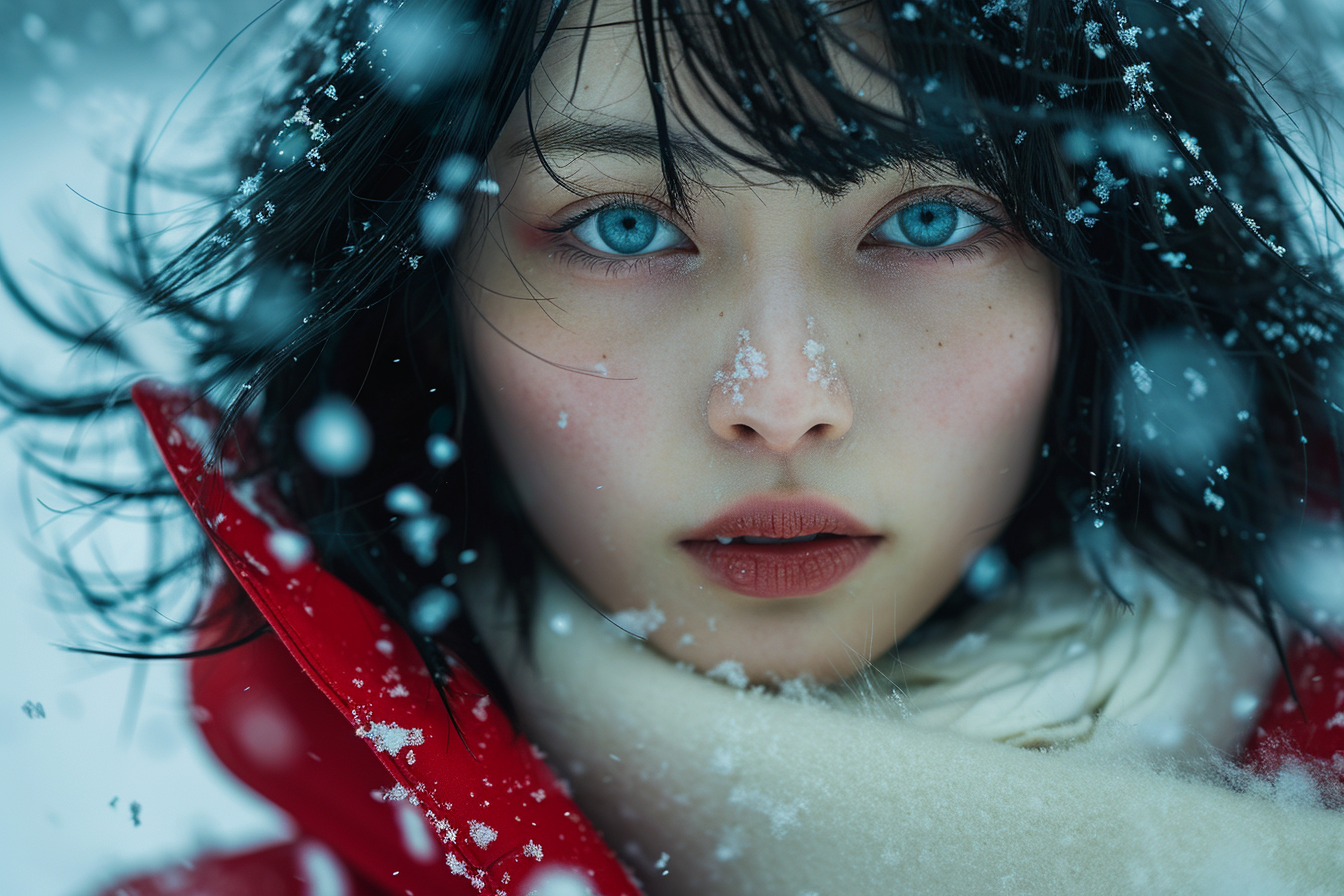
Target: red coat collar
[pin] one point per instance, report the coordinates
(497, 807)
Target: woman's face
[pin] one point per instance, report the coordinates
(783, 426)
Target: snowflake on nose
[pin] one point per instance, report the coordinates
(823, 371)
(748, 365)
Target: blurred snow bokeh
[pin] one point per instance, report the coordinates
(103, 772)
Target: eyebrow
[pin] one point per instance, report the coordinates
(635, 142)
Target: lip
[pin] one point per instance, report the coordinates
(797, 569)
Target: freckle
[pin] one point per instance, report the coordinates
(940, 345)
(991, 307)
(720, 314)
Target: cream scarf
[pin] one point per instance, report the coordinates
(900, 781)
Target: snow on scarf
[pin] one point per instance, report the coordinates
(709, 788)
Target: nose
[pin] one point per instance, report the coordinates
(780, 390)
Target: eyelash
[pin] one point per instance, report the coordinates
(615, 266)
(611, 266)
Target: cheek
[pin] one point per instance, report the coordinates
(966, 391)
(990, 383)
(572, 442)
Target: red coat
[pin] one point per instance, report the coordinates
(390, 798)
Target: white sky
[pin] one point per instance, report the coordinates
(69, 106)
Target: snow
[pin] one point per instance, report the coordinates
(1309, 568)
(731, 673)
(416, 837)
(640, 623)
(1245, 705)
(971, 642)
(290, 549)
(195, 429)
(321, 870)
(440, 219)
(1185, 403)
(456, 171)
(442, 451)
(561, 623)
(783, 815)
(1142, 379)
(335, 437)
(420, 536)
(988, 572)
(556, 882)
(391, 738)
(407, 499)
(481, 833)
(748, 364)
(433, 610)
(823, 372)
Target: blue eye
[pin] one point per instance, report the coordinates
(627, 230)
(932, 223)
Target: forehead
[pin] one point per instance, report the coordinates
(593, 88)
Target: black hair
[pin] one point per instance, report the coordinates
(1132, 143)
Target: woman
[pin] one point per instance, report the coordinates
(751, 328)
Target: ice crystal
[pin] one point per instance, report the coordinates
(249, 185)
(1106, 181)
(822, 372)
(640, 623)
(1136, 78)
(481, 834)
(748, 364)
(731, 673)
(391, 738)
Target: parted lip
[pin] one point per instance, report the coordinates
(769, 517)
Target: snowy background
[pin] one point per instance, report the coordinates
(109, 777)
(101, 772)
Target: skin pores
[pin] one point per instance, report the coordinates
(609, 380)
